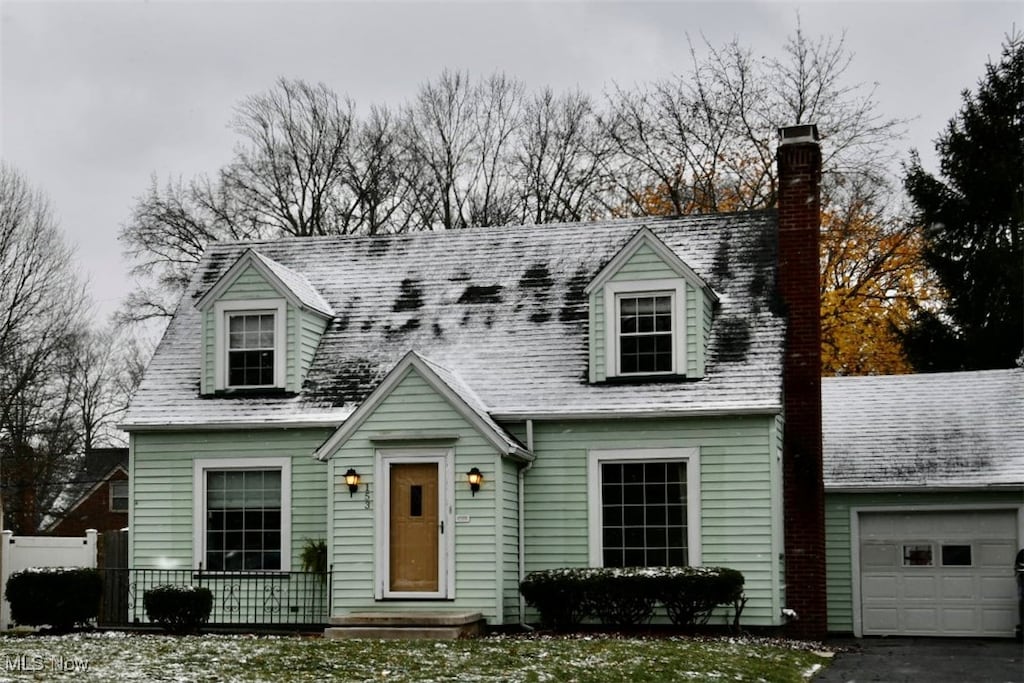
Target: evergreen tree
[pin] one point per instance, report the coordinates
(973, 219)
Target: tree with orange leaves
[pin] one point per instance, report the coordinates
(704, 143)
(873, 278)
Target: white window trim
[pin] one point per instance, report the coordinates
(691, 456)
(110, 491)
(202, 465)
(222, 310)
(676, 287)
(445, 458)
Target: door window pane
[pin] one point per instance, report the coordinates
(956, 555)
(919, 555)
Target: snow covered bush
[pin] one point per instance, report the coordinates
(559, 595)
(627, 596)
(691, 593)
(52, 596)
(179, 609)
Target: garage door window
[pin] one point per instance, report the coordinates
(956, 556)
(917, 555)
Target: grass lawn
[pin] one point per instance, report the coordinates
(113, 656)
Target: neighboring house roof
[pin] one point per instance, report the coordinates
(94, 468)
(942, 430)
(502, 308)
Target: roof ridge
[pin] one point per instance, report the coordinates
(515, 227)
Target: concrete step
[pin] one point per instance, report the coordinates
(407, 625)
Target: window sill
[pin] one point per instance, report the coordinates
(266, 392)
(660, 378)
(214, 575)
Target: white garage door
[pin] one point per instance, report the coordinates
(938, 573)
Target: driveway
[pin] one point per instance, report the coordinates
(936, 660)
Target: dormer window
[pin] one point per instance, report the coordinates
(645, 333)
(250, 349)
(250, 340)
(650, 314)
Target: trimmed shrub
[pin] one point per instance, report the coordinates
(621, 597)
(52, 596)
(690, 594)
(179, 609)
(627, 596)
(558, 594)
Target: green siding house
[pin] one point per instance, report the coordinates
(450, 411)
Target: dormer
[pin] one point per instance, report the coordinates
(261, 325)
(650, 315)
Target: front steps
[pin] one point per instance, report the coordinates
(407, 626)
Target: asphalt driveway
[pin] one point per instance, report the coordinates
(935, 660)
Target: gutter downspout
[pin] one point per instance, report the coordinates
(522, 525)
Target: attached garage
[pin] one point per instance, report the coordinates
(924, 503)
(938, 573)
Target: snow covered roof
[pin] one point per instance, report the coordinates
(957, 430)
(502, 308)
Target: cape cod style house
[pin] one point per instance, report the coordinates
(451, 410)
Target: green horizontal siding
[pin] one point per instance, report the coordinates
(644, 264)
(311, 327)
(510, 540)
(598, 356)
(737, 504)
(209, 350)
(839, 544)
(694, 340)
(249, 284)
(162, 504)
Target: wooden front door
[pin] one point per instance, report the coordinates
(415, 528)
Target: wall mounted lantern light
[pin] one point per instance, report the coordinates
(475, 478)
(352, 479)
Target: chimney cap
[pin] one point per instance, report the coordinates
(804, 132)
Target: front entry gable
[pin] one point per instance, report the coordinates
(413, 420)
(413, 529)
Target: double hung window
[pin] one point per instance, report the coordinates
(645, 333)
(251, 350)
(119, 496)
(250, 344)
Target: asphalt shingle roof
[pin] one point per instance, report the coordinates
(297, 284)
(959, 429)
(501, 308)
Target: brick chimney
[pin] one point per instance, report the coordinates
(799, 210)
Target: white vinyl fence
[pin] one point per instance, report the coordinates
(21, 552)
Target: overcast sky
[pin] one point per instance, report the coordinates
(97, 96)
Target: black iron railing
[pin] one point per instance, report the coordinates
(242, 598)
